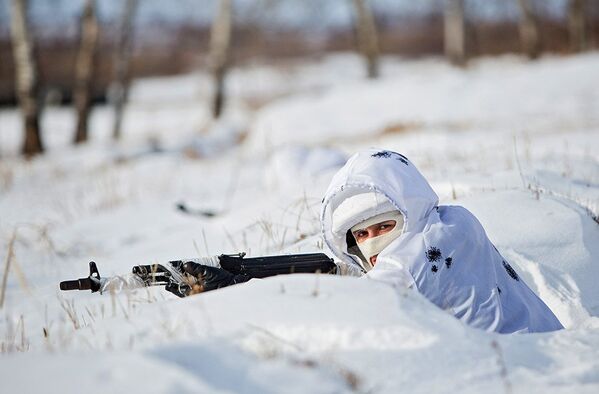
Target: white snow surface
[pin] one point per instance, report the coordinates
(512, 141)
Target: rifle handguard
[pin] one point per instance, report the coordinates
(262, 267)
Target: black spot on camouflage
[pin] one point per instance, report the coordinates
(402, 158)
(433, 254)
(434, 268)
(511, 272)
(448, 262)
(498, 290)
(387, 154)
(381, 154)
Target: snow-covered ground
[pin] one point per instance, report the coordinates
(512, 141)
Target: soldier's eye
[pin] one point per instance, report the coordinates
(387, 225)
(360, 234)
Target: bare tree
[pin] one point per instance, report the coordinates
(367, 37)
(26, 78)
(119, 89)
(529, 30)
(84, 69)
(577, 25)
(455, 32)
(220, 43)
(592, 11)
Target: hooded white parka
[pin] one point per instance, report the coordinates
(443, 251)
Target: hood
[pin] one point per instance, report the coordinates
(443, 252)
(382, 171)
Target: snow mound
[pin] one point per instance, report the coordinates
(300, 333)
(345, 334)
(552, 243)
(504, 94)
(297, 165)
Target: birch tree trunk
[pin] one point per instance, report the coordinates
(367, 37)
(220, 43)
(26, 78)
(577, 25)
(84, 69)
(455, 32)
(529, 30)
(119, 89)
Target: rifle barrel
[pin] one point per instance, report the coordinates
(78, 284)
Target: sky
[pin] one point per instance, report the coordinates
(307, 14)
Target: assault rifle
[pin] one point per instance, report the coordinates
(181, 277)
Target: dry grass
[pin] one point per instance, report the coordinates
(271, 346)
(16, 339)
(503, 373)
(68, 306)
(316, 289)
(275, 236)
(397, 128)
(6, 178)
(9, 258)
(531, 183)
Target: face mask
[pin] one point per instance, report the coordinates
(373, 246)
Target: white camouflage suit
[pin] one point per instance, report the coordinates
(443, 251)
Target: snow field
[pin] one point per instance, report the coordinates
(521, 158)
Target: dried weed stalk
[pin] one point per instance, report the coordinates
(9, 257)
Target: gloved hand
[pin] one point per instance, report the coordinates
(208, 278)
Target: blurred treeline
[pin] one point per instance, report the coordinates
(175, 44)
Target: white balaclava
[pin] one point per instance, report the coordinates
(362, 210)
(373, 246)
